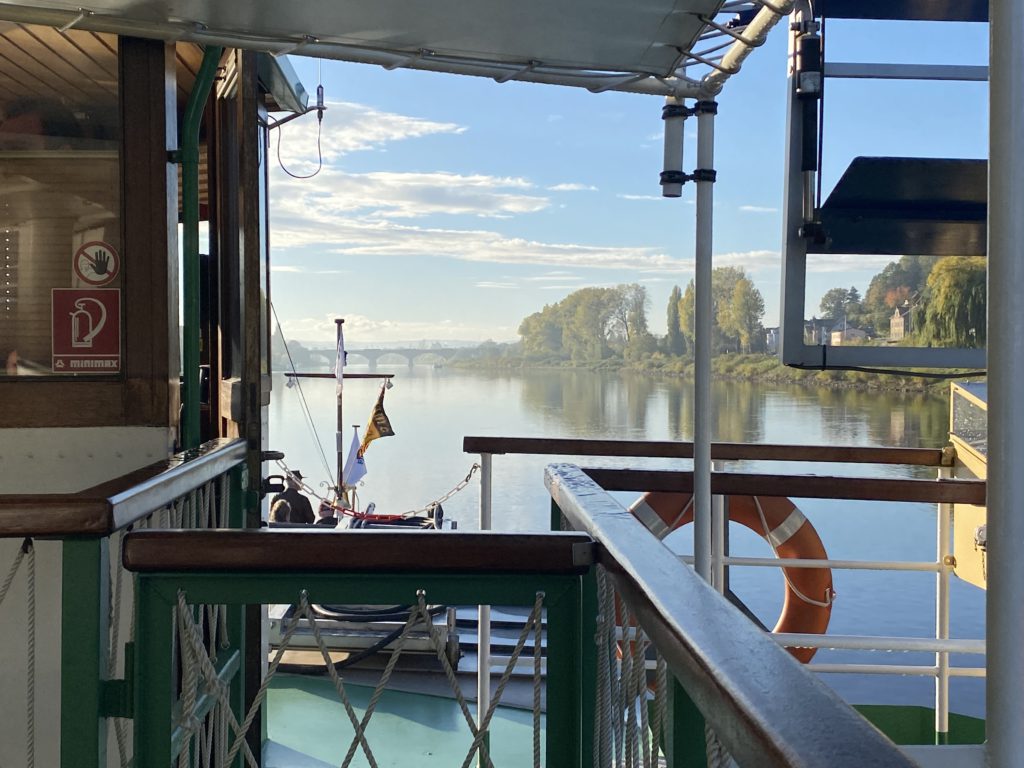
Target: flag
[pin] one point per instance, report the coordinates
(379, 424)
(355, 466)
(339, 363)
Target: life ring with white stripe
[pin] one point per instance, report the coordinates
(807, 607)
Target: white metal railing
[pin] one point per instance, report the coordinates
(940, 644)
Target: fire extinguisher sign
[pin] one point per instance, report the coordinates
(86, 330)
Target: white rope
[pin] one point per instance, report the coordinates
(789, 582)
(14, 569)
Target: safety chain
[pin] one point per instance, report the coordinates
(308, 490)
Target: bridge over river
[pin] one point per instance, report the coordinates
(411, 356)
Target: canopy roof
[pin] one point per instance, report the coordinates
(638, 45)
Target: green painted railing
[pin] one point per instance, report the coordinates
(89, 525)
(365, 567)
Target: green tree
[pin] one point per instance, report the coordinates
(745, 313)
(675, 343)
(727, 317)
(833, 303)
(954, 303)
(899, 282)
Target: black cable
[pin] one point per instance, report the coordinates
(821, 111)
(319, 153)
(889, 371)
(363, 654)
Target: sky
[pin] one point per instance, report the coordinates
(449, 208)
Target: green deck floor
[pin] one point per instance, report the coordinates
(308, 728)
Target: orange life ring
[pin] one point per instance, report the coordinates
(808, 602)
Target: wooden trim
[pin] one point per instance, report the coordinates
(926, 457)
(372, 551)
(796, 486)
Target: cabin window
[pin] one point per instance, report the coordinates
(61, 262)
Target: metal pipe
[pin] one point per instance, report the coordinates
(190, 244)
(1004, 696)
(756, 33)
(719, 527)
(876, 643)
(842, 565)
(339, 398)
(483, 652)
(943, 549)
(892, 669)
(702, 406)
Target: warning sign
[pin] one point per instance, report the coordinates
(86, 330)
(96, 263)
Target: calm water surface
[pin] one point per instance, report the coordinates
(431, 411)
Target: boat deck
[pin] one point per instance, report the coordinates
(308, 728)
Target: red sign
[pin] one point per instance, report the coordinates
(96, 263)
(86, 330)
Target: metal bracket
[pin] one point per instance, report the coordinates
(583, 554)
(117, 696)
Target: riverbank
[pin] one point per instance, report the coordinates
(761, 368)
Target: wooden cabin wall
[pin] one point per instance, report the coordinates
(64, 435)
(136, 410)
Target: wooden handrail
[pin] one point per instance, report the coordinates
(322, 550)
(765, 707)
(924, 457)
(116, 504)
(797, 486)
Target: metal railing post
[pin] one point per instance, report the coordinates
(565, 673)
(719, 524)
(154, 681)
(684, 731)
(943, 547)
(85, 599)
(702, 406)
(483, 624)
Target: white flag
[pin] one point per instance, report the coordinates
(355, 465)
(339, 364)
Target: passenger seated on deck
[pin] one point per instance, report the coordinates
(327, 517)
(301, 509)
(281, 512)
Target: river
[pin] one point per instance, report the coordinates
(432, 409)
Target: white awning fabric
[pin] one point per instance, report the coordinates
(634, 45)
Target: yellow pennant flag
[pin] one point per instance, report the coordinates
(378, 426)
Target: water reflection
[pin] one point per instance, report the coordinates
(624, 405)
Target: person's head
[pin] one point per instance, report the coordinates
(281, 511)
(28, 124)
(294, 480)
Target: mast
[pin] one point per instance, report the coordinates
(339, 340)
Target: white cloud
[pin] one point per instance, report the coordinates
(573, 187)
(758, 209)
(349, 127)
(639, 197)
(390, 194)
(556, 276)
(490, 284)
(846, 262)
(287, 268)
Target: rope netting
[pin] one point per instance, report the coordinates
(202, 508)
(26, 553)
(214, 741)
(630, 715)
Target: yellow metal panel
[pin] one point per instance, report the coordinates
(970, 559)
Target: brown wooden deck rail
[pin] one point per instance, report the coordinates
(922, 457)
(749, 483)
(767, 709)
(796, 486)
(325, 550)
(111, 506)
